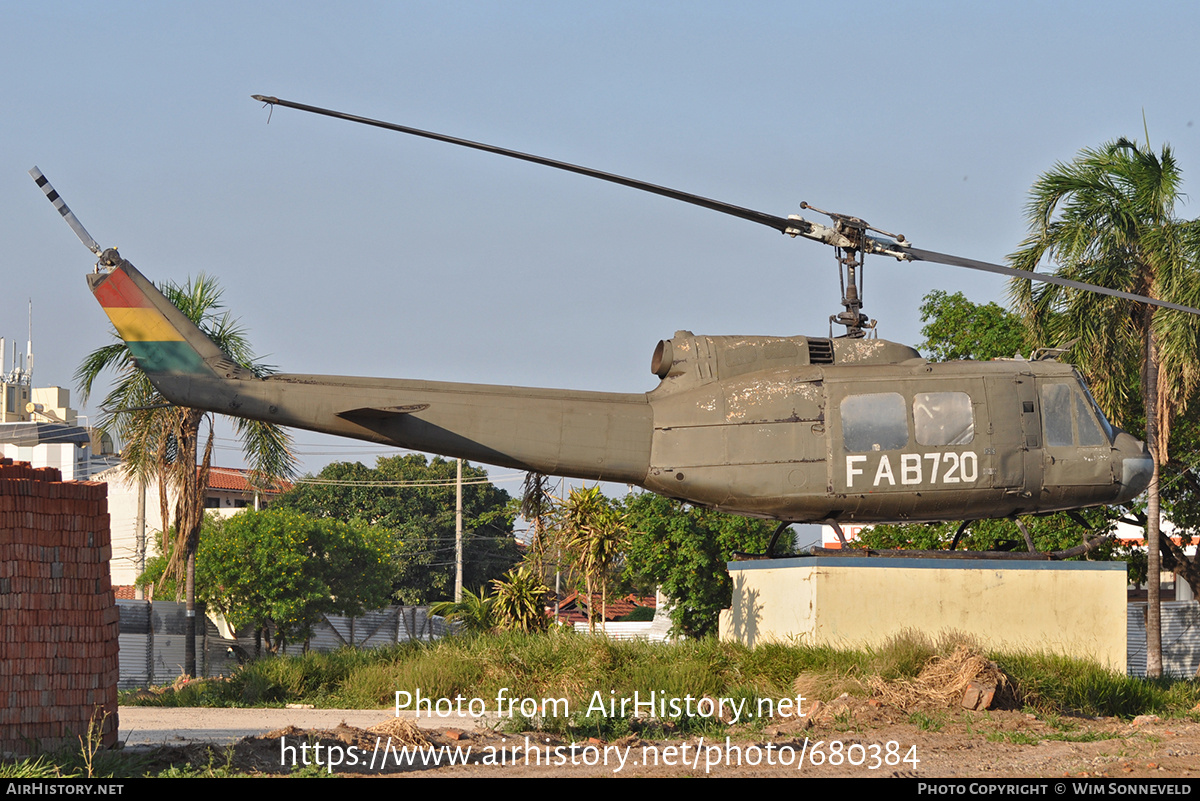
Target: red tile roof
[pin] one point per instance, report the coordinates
(234, 479)
(573, 607)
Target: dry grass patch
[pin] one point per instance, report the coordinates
(943, 681)
(401, 731)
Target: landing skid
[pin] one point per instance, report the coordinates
(742, 556)
(1031, 554)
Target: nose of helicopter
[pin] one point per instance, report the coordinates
(1136, 466)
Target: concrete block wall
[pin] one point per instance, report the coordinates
(58, 617)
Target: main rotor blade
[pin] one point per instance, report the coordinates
(794, 226)
(66, 213)
(1045, 278)
(781, 224)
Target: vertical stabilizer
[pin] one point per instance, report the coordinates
(161, 338)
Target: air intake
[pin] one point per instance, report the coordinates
(820, 351)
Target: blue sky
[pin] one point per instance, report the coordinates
(356, 251)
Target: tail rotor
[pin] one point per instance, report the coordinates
(66, 212)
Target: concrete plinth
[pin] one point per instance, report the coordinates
(1071, 608)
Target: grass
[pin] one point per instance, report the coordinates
(927, 722)
(78, 764)
(1031, 738)
(1014, 737)
(592, 670)
(1080, 736)
(1055, 684)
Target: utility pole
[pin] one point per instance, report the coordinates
(139, 556)
(458, 536)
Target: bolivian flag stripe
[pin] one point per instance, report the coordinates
(118, 291)
(176, 358)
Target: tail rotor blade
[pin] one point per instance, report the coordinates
(66, 213)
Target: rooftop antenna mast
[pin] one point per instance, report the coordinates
(29, 348)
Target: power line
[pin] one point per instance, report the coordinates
(324, 482)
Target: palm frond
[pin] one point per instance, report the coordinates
(163, 442)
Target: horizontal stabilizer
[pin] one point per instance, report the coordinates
(381, 412)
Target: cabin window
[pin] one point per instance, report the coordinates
(1107, 426)
(875, 422)
(943, 418)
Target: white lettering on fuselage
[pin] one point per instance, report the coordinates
(911, 469)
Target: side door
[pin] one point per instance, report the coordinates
(1076, 450)
(1015, 426)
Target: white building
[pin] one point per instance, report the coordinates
(228, 493)
(39, 426)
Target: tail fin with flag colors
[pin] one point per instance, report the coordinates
(161, 338)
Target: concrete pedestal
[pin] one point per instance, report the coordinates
(1071, 608)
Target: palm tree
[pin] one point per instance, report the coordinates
(535, 506)
(163, 441)
(595, 533)
(521, 601)
(476, 611)
(1108, 218)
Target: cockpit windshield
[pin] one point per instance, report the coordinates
(1107, 426)
(1070, 417)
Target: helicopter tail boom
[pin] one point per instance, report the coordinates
(590, 435)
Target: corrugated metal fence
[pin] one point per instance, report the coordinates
(657, 630)
(1180, 638)
(375, 629)
(152, 639)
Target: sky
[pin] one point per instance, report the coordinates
(350, 250)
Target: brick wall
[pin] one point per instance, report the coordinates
(58, 617)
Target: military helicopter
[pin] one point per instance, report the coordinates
(796, 429)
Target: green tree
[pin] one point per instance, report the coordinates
(279, 571)
(157, 580)
(1055, 532)
(684, 550)
(163, 441)
(1180, 490)
(956, 328)
(414, 498)
(1108, 218)
(536, 507)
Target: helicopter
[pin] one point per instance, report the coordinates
(796, 429)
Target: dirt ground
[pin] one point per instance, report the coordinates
(849, 737)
